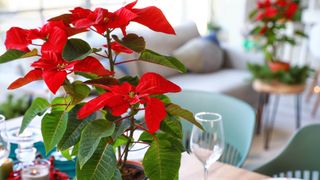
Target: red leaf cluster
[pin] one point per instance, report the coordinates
(119, 98)
(50, 67)
(278, 9)
(101, 19)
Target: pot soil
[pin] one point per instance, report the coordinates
(133, 171)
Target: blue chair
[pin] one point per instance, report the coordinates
(238, 121)
(301, 157)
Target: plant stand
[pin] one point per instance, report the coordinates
(264, 111)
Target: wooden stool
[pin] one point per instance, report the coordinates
(263, 111)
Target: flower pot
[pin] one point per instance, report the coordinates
(133, 170)
(276, 66)
(277, 87)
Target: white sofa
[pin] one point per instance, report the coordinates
(232, 79)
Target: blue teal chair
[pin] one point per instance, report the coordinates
(238, 121)
(301, 157)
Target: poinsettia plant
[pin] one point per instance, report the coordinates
(270, 20)
(99, 132)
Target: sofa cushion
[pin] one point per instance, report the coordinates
(228, 81)
(200, 55)
(165, 44)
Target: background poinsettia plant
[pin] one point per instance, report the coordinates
(271, 18)
(98, 130)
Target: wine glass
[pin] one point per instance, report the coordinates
(207, 144)
(4, 145)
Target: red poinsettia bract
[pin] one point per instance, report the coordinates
(291, 10)
(54, 70)
(54, 34)
(101, 19)
(120, 98)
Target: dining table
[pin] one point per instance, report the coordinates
(191, 168)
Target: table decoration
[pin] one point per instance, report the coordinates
(26, 152)
(92, 131)
(37, 170)
(42, 164)
(270, 22)
(5, 163)
(6, 167)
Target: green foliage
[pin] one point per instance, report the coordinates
(176, 110)
(77, 91)
(172, 126)
(101, 166)
(132, 41)
(90, 138)
(295, 75)
(37, 108)
(14, 107)
(13, 54)
(53, 126)
(61, 104)
(76, 49)
(162, 160)
(168, 61)
(74, 128)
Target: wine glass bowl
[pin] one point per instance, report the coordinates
(208, 144)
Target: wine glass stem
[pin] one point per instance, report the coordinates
(205, 173)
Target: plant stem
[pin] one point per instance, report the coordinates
(122, 62)
(119, 155)
(111, 62)
(126, 150)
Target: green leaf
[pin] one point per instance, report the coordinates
(13, 54)
(146, 137)
(76, 49)
(176, 110)
(165, 99)
(132, 41)
(60, 104)
(78, 91)
(75, 150)
(101, 166)
(168, 61)
(53, 126)
(162, 160)
(253, 14)
(107, 81)
(132, 80)
(171, 125)
(66, 154)
(74, 128)
(87, 75)
(120, 128)
(90, 138)
(37, 108)
(301, 33)
(94, 50)
(32, 53)
(121, 140)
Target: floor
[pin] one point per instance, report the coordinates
(284, 129)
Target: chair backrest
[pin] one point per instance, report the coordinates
(238, 120)
(301, 157)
